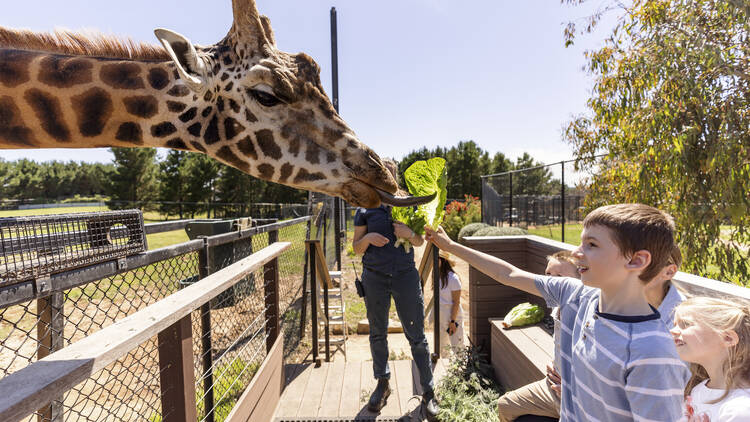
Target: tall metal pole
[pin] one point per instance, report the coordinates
(338, 203)
(562, 199)
(510, 210)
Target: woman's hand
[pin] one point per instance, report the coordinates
(554, 381)
(402, 231)
(438, 237)
(452, 328)
(376, 239)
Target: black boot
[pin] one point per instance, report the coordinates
(430, 405)
(379, 397)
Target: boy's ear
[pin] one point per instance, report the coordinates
(730, 338)
(639, 260)
(669, 271)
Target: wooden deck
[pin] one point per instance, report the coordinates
(341, 390)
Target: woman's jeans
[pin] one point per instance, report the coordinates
(406, 291)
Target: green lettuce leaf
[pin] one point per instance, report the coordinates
(423, 178)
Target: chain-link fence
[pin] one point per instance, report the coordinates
(229, 332)
(546, 200)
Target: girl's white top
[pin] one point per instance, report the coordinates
(453, 284)
(735, 407)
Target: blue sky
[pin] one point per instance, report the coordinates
(412, 73)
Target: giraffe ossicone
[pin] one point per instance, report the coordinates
(241, 101)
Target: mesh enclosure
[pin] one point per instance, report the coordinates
(229, 333)
(541, 198)
(41, 245)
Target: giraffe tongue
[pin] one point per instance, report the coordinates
(403, 201)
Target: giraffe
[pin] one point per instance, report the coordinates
(241, 101)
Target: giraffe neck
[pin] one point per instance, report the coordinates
(59, 101)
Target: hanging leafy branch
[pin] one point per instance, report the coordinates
(671, 110)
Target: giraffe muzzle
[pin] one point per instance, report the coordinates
(403, 201)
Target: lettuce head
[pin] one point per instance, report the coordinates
(523, 314)
(424, 178)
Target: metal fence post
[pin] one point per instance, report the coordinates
(510, 210)
(204, 269)
(50, 337)
(313, 302)
(176, 373)
(562, 199)
(271, 287)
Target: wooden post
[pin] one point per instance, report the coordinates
(50, 337)
(271, 287)
(176, 372)
(204, 269)
(436, 300)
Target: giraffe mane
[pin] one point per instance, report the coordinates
(73, 43)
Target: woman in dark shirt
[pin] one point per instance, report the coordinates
(390, 272)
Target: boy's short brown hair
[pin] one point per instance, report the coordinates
(637, 227)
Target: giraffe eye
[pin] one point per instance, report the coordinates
(266, 99)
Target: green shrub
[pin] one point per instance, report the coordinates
(470, 229)
(459, 214)
(468, 392)
(499, 231)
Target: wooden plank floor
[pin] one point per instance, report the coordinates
(342, 389)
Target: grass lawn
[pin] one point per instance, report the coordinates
(554, 232)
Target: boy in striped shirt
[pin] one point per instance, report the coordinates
(618, 361)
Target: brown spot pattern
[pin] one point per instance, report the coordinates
(62, 72)
(122, 75)
(312, 155)
(189, 115)
(234, 106)
(225, 153)
(212, 131)
(198, 146)
(175, 107)
(47, 109)
(206, 111)
(92, 108)
(178, 91)
(304, 176)
(247, 147)
(232, 128)
(266, 171)
(14, 67)
(143, 106)
(250, 116)
(177, 143)
(158, 78)
(12, 128)
(286, 171)
(195, 129)
(163, 129)
(267, 144)
(130, 132)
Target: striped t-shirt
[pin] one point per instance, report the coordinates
(613, 368)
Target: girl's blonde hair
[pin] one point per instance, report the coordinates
(721, 316)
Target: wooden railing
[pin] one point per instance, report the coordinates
(24, 391)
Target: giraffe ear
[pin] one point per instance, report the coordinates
(191, 68)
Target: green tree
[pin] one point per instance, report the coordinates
(537, 181)
(671, 110)
(173, 183)
(133, 182)
(201, 171)
(24, 180)
(466, 163)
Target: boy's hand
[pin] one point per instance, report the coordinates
(402, 231)
(554, 381)
(377, 239)
(438, 237)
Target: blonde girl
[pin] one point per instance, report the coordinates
(713, 335)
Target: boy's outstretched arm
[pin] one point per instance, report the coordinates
(494, 267)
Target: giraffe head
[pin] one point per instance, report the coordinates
(265, 112)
